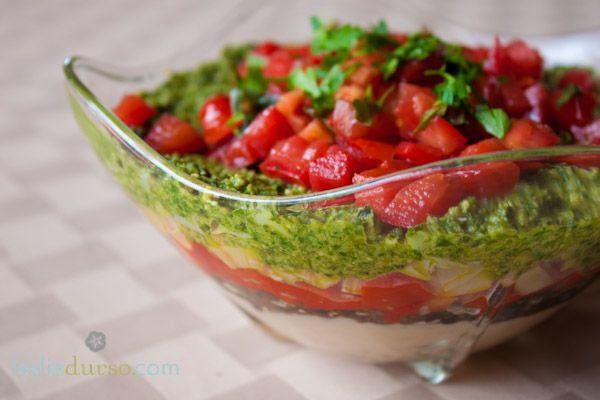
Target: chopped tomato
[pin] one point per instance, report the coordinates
(367, 153)
(364, 75)
(578, 111)
(440, 134)
(133, 110)
(413, 203)
(523, 60)
(525, 134)
(398, 293)
(350, 93)
(514, 100)
(485, 146)
(344, 123)
(334, 169)
(289, 104)
(266, 48)
(579, 77)
(589, 134)
(289, 159)
(279, 64)
(411, 103)
(169, 134)
(315, 130)
(213, 117)
(414, 71)
(417, 153)
(515, 59)
(485, 180)
(235, 154)
(380, 196)
(269, 127)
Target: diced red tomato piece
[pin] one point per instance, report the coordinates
(315, 130)
(289, 159)
(344, 123)
(412, 204)
(266, 48)
(279, 64)
(367, 153)
(289, 104)
(539, 99)
(364, 75)
(516, 59)
(525, 134)
(269, 127)
(485, 180)
(235, 154)
(386, 167)
(485, 146)
(213, 117)
(350, 93)
(334, 169)
(514, 101)
(380, 196)
(398, 293)
(578, 111)
(589, 134)
(579, 77)
(523, 60)
(169, 134)
(411, 103)
(440, 134)
(133, 110)
(414, 71)
(417, 153)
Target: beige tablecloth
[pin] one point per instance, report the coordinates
(76, 257)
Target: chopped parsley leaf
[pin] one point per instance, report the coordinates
(494, 120)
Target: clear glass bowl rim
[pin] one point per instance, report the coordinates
(144, 152)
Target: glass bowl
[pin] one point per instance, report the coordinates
(323, 270)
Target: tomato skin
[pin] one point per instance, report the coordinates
(213, 117)
(514, 100)
(169, 134)
(440, 134)
(268, 128)
(527, 134)
(516, 59)
(417, 153)
(589, 134)
(410, 104)
(289, 159)
(485, 180)
(485, 146)
(367, 153)
(581, 78)
(133, 110)
(475, 54)
(430, 195)
(266, 48)
(332, 170)
(578, 111)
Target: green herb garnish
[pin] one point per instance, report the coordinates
(320, 86)
(419, 46)
(494, 120)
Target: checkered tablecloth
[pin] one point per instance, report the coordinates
(76, 257)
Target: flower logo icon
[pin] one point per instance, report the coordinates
(96, 341)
